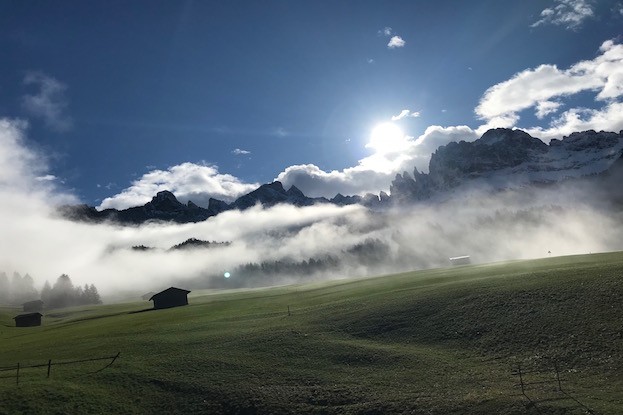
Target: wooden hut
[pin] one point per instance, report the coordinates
(28, 320)
(33, 306)
(461, 260)
(171, 297)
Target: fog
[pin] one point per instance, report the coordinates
(525, 223)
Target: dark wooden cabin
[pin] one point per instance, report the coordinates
(33, 306)
(171, 297)
(28, 320)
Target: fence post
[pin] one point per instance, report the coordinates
(523, 392)
(49, 366)
(557, 376)
(17, 375)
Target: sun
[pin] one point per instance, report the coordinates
(387, 138)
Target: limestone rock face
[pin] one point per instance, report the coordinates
(504, 158)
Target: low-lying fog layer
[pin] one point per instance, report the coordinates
(509, 225)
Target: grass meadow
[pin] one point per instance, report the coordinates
(441, 341)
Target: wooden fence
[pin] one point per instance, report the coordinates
(19, 367)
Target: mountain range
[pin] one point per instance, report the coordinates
(500, 159)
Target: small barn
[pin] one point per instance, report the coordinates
(33, 306)
(171, 297)
(28, 320)
(461, 260)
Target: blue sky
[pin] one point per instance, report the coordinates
(208, 99)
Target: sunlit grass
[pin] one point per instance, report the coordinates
(436, 341)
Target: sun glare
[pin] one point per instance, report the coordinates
(386, 138)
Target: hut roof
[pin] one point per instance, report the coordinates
(169, 290)
(33, 302)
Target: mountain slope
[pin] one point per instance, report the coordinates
(504, 158)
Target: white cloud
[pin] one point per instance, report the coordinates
(544, 108)
(281, 132)
(239, 152)
(546, 86)
(386, 31)
(608, 118)
(46, 178)
(375, 172)
(405, 114)
(49, 103)
(396, 42)
(188, 181)
(568, 13)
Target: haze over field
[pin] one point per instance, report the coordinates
(374, 101)
(510, 225)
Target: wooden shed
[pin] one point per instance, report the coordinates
(461, 260)
(28, 320)
(171, 297)
(33, 306)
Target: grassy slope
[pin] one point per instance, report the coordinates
(439, 341)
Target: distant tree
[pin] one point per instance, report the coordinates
(5, 288)
(22, 289)
(91, 294)
(29, 292)
(62, 293)
(45, 292)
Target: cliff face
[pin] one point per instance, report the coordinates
(505, 158)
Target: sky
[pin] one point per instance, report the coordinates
(210, 99)
(107, 103)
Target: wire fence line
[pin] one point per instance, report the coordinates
(537, 384)
(19, 367)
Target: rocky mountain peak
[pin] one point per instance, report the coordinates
(165, 201)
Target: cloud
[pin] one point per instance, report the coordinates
(281, 132)
(546, 87)
(396, 42)
(374, 173)
(608, 118)
(386, 31)
(545, 108)
(49, 103)
(188, 181)
(485, 227)
(405, 114)
(568, 13)
(239, 152)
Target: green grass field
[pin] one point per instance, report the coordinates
(442, 341)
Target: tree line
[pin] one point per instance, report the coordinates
(20, 289)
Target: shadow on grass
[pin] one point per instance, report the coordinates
(141, 311)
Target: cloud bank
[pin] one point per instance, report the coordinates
(512, 225)
(545, 88)
(188, 181)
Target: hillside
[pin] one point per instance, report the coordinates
(431, 342)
